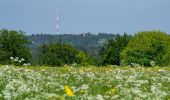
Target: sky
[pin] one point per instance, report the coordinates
(79, 16)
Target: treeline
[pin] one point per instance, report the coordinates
(147, 48)
(87, 42)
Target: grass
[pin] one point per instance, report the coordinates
(84, 83)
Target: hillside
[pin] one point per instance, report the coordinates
(87, 42)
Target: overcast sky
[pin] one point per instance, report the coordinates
(78, 16)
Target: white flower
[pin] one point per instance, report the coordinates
(11, 58)
(114, 97)
(22, 59)
(23, 89)
(99, 97)
(50, 95)
(17, 58)
(153, 89)
(152, 63)
(7, 96)
(19, 61)
(161, 70)
(73, 88)
(90, 98)
(25, 64)
(90, 74)
(28, 64)
(85, 86)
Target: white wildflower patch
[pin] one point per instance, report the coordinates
(85, 86)
(91, 83)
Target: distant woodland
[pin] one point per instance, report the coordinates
(87, 42)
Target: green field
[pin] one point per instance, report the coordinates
(84, 83)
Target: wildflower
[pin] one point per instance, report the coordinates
(22, 59)
(28, 64)
(73, 88)
(152, 63)
(25, 64)
(23, 88)
(99, 97)
(84, 86)
(11, 58)
(19, 61)
(17, 58)
(68, 90)
(51, 96)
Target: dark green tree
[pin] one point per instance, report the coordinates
(87, 42)
(59, 54)
(147, 46)
(12, 44)
(110, 53)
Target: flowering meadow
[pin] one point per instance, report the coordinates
(84, 83)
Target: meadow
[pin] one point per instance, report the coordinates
(84, 83)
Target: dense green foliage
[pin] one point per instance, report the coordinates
(144, 48)
(110, 52)
(87, 42)
(12, 44)
(147, 46)
(58, 54)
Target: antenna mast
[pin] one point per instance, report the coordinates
(57, 27)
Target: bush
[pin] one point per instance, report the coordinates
(12, 44)
(110, 53)
(59, 54)
(147, 46)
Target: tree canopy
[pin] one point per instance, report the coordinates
(110, 52)
(12, 44)
(58, 54)
(147, 46)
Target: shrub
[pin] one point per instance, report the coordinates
(110, 53)
(12, 44)
(59, 54)
(147, 46)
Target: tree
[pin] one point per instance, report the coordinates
(110, 53)
(145, 47)
(59, 54)
(87, 42)
(12, 44)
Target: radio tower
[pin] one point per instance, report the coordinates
(57, 27)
